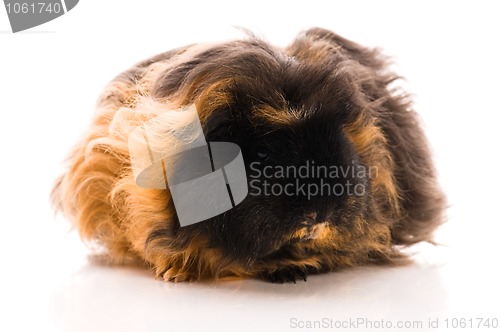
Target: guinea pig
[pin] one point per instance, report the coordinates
(338, 168)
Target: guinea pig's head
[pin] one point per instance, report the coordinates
(314, 156)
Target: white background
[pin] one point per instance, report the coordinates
(51, 75)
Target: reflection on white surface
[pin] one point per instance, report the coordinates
(101, 298)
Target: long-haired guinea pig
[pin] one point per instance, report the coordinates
(338, 169)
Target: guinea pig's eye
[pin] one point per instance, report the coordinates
(262, 153)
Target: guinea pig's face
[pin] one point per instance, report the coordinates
(303, 178)
(292, 121)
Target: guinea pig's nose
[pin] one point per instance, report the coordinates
(310, 217)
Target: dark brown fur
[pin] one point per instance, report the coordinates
(323, 98)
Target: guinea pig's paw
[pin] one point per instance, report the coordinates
(177, 275)
(284, 274)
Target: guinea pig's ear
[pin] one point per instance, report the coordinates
(217, 123)
(366, 56)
